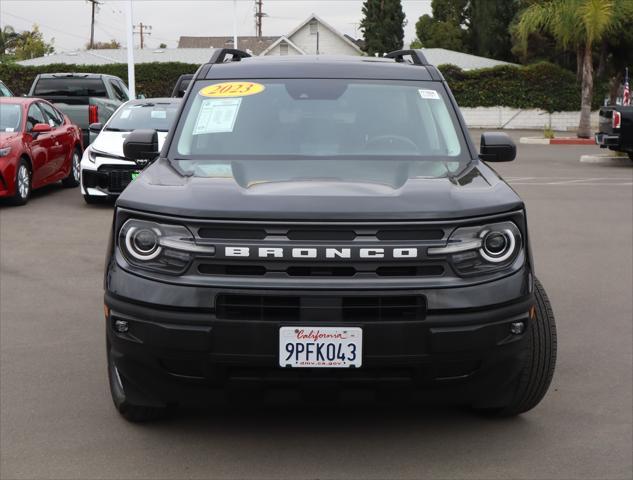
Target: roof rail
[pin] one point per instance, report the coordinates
(219, 55)
(417, 56)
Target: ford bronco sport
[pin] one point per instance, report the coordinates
(323, 221)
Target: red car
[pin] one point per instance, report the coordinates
(38, 146)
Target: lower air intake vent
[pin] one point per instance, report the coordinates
(325, 308)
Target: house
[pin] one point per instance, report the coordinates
(313, 36)
(254, 45)
(465, 61)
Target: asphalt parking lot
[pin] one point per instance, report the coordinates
(57, 418)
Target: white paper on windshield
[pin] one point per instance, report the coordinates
(217, 115)
(9, 129)
(161, 114)
(126, 113)
(429, 94)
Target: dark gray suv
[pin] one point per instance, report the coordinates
(323, 222)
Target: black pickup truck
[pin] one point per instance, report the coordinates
(616, 129)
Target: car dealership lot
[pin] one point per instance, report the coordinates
(57, 418)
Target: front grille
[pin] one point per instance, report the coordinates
(323, 308)
(119, 179)
(253, 270)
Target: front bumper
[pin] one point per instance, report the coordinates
(7, 177)
(181, 355)
(105, 179)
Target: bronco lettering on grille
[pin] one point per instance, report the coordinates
(322, 253)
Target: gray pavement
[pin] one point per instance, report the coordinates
(57, 420)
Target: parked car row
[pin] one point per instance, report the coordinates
(71, 128)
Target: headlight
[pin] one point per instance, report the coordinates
(92, 155)
(159, 247)
(5, 151)
(483, 249)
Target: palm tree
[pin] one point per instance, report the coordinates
(8, 37)
(577, 24)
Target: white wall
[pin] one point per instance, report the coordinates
(512, 118)
(329, 42)
(291, 50)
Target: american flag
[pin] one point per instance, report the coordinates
(626, 96)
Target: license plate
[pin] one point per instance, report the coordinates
(322, 347)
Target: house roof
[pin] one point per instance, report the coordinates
(255, 44)
(106, 56)
(465, 61)
(314, 16)
(283, 39)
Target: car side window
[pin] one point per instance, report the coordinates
(54, 119)
(119, 93)
(33, 117)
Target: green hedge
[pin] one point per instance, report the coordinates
(542, 85)
(152, 79)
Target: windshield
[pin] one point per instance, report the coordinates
(154, 115)
(70, 87)
(10, 117)
(308, 121)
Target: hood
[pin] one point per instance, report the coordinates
(7, 138)
(477, 191)
(112, 142)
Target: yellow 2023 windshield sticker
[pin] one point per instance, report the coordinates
(232, 89)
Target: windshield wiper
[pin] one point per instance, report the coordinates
(113, 129)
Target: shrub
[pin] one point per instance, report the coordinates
(541, 85)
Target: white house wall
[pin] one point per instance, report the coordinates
(329, 43)
(276, 50)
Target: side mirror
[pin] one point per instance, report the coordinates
(141, 146)
(497, 147)
(40, 128)
(95, 127)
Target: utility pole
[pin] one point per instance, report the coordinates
(129, 30)
(142, 31)
(258, 17)
(94, 5)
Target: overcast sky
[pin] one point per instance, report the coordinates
(68, 21)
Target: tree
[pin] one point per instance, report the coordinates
(162, 45)
(8, 37)
(382, 26)
(434, 33)
(31, 44)
(104, 45)
(577, 24)
(479, 27)
(488, 32)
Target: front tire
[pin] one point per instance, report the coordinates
(131, 412)
(23, 183)
(72, 180)
(540, 363)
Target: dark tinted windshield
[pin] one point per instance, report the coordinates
(303, 128)
(320, 118)
(153, 115)
(70, 87)
(10, 117)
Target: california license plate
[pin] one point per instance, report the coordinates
(320, 347)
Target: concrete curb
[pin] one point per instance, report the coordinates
(606, 158)
(557, 141)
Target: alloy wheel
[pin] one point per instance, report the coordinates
(24, 181)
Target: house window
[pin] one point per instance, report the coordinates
(283, 48)
(314, 27)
